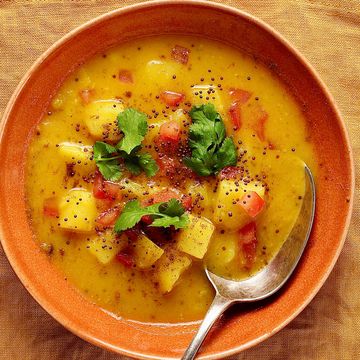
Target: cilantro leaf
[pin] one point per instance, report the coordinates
(164, 214)
(110, 170)
(148, 164)
(172, 208)
(102, 150)
(133, 124)
(136, 163)
(107, 164)
(211, 149)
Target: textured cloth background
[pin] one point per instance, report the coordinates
(327, 32)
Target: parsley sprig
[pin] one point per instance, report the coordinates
(133, 124)
(211, 149)
(165, 214)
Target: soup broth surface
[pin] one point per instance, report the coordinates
(272, 143)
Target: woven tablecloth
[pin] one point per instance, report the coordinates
(327, 32)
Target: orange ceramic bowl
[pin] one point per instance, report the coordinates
(243, 328)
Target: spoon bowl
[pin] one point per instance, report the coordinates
(268, 280)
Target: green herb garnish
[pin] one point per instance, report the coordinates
(134, 126)
(165, 214)
(211, 149)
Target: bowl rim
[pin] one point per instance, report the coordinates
(48, 307)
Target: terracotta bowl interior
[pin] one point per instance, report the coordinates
(242, 328)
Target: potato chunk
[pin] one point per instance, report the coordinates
(79, 155)
(77, 211)
(227, 212)
(194, 240)
(105, 246)
(169, 269)
(159, 73)
(100, 118)
(146, 253)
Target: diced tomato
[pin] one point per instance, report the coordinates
(125, 259)
(167, 165)
(252, 203)
(165, 195)
(50, 207)
(240, 96)
(160, 236)
(108, 217)
(132, 233)
(172, 98)
(112, 191)
(180, 54)
(104, 189)
(86, 95)
(186, 200)
(248, 243)
(230, 172)
(170, 131)
(125, 76)
(146, 219)
(261, 117)
(235, 115)
(271, 146)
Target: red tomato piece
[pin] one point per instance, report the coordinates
(165, 195)
(108, 217)
(248, 243)
(186, 201)
(104, 189)
(125, 259)
(252, 203)
(261, 117)
(125, 76)
(132, 233)
(240, 96)
(172, 98)
(170, 131)
(180, 54)
(167, 165)
(235, 115)
(86, 95)
(230, 172)
(50, 208)
(146, 219)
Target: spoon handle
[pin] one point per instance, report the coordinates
(218, 306)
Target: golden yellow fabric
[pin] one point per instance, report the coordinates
(327, 32)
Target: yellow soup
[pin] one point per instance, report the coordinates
(157, 158)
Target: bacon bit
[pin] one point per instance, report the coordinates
(240, 96)
(172, 98)
(108, 217)
(50, 208)
(252, 203)
(125, 76)
(86, 95)
(248, 243)
(261, 117)
(235, 115)
(230, 172)
(180, 54)
(125, 259)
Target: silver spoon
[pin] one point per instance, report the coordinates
(268, 280)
